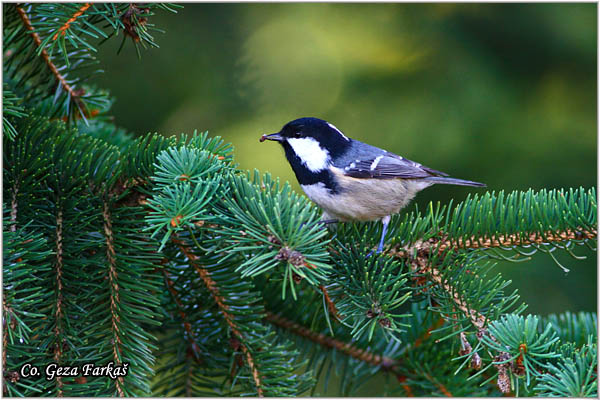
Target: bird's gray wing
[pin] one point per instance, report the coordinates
(388, 166)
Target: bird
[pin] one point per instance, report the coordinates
(351, 180)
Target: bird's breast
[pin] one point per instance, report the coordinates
(362, 199)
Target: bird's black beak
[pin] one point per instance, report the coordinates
(273, 136)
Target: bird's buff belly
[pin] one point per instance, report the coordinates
(364, 199)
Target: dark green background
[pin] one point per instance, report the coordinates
(499, 93)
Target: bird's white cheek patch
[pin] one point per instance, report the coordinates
(311, 154)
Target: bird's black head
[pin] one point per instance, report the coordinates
(310, 145)
(325, 135)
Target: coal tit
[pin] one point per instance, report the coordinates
(351, 180)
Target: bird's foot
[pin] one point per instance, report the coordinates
(378, 251)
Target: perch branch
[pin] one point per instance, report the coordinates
(495, 241)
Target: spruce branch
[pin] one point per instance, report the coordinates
(224, 309)
(114, 292)
(35, 33)
(13, 207)
(7, 315)
(499, 241)
(130, 309)
(62, 30)
(370, 292)
(11, 111)
(184, 318)
(574, 328)
(58, 314)
(575, 375)
(24, 295)
(331, 343)
(423, 266)
(73, 94)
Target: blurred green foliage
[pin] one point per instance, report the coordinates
(498, 93)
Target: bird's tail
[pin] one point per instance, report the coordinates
(453, 181)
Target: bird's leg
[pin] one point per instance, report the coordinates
(386, 221)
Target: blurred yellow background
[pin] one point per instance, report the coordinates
(498, 93)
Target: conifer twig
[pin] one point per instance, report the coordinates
(38, 42)
(114, 292)
(496, 241)
(186, 325)
(59, 296)
(331, 343)
(77, 14)
(4, 332)
(214, 290)
(440, 386)
(13, 209)
(421, 264)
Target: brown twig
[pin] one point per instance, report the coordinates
(74, 94)
(114, 288)
(224, 309)
(62, 30)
